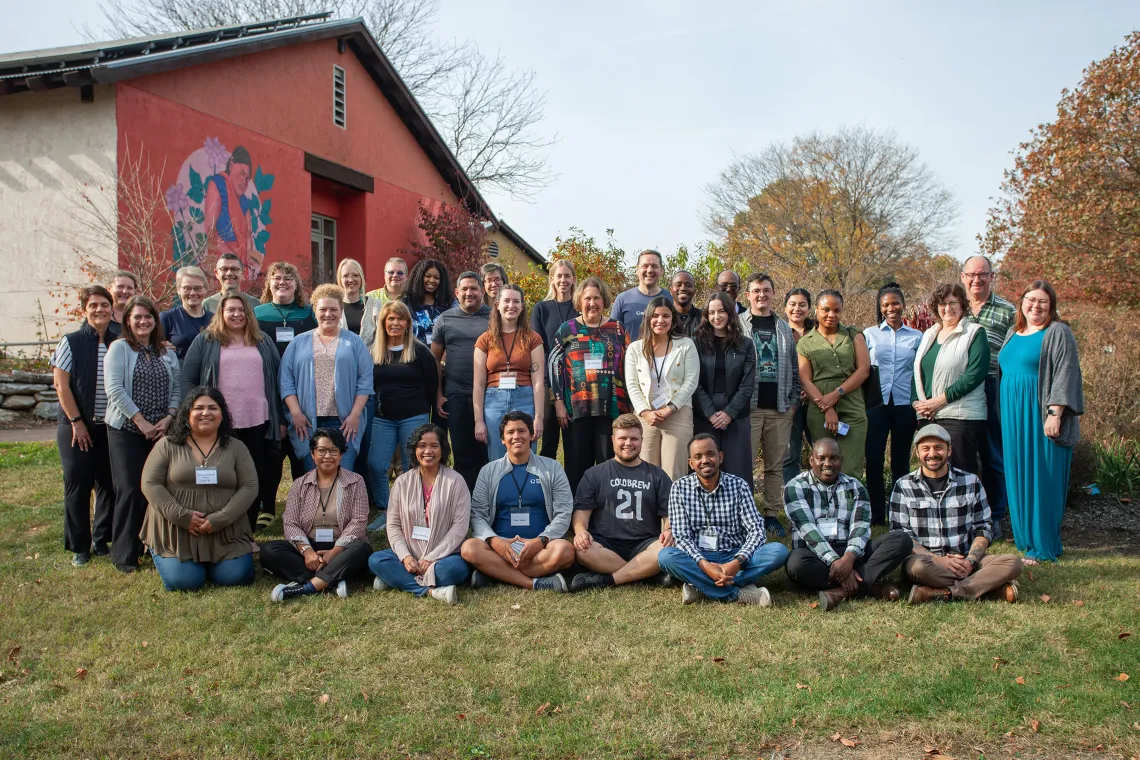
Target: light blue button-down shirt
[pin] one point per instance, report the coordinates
(893, 352)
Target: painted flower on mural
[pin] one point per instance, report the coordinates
(223, 208)
(176, 200)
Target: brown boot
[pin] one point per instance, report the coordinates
(921, 594)
(1008, 592)
(830, 598)
(885, 591)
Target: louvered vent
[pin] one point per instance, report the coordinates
(339, 117)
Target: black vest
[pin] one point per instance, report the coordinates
(84, 344)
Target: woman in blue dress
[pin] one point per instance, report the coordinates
(1041, 404)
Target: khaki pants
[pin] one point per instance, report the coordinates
(995, 571)
(770, 433)
(667, 446)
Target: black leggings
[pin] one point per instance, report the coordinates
(586, 442)
(255, 441)
(128, 455)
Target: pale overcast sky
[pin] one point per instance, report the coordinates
(652, 99)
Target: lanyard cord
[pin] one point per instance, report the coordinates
(324, 504)
(514, 339)
(205, 454)
(660, 372)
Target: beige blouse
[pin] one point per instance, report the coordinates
(169, 484)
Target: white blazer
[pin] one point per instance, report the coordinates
(682, 372)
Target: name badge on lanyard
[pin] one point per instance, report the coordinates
(284, 334)
(828, 527)
(421, 533)
(324, 535)
(508, 381)
(706, 539)
(520, 519)
(206, 476)
(594, 362)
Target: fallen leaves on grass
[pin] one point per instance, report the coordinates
(1046, 598)
(801, 685)
(718, 660)
(1020, 681)
(1035, 725)
(699, 657)
(542, 709)
(1122, 677)
(899, 635)
(998, 662)
(851, 743)
(516, 606)
(1078, 603)
(12, 653)
(814, 605)
(324, 699)
(364, 694)
(1123, 634)
(1126, 705)
(80, 673)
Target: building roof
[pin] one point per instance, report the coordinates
(115, 61)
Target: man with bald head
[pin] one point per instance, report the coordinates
(831, 530)
(995, 314)
(728, 282)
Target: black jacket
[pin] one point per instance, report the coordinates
(740, 376)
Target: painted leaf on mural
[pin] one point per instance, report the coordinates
(197, 215)
(262, 181)
(197, 192)
(261, 239)
(264, 217)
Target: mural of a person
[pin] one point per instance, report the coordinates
(227, 210)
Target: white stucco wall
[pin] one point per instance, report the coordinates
(54, 150)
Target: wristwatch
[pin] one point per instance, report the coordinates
(840, 391)
(545, 540)
(672, 406)
(488, 539)
(1052, 413)
(974, 563)
(75, 419)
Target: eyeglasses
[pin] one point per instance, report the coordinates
(977, 275)
(323, 452)
(229, 269)
(1043, 302)
(193, 289)
(282, 280)
(395, 274)
(946, 304)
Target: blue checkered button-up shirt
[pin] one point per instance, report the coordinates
(729, 508)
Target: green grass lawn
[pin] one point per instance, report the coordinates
(97, 664)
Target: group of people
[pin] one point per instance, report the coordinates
(181, 421)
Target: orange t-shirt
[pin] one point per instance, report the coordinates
(497, 357)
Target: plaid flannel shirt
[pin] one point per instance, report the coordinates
(947, 525)
(807, 500)
(995, 316)
(730, 508)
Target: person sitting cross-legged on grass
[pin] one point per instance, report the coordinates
(945, 513)
(621, 514)
(832, 552)
(520, 510)
(325, 514)
(429, 510)
(198, 482)
(720, 551)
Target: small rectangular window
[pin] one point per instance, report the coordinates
(339, 117)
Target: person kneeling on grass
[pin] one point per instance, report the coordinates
(720, 550)
(198, 482)
(621, 514)
(520, 510)
(831, 527)
(429, 509)
(325, 514)
(945, 513)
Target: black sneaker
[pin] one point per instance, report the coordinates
(126, 569)
(775, 527)
(285, 591)
(100, 550)
(584, 581)
(479, 580)
(80, 559)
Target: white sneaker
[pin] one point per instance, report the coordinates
(690, 594)
(753, 595)
(379, 585)
(445, 594)
(342, 590)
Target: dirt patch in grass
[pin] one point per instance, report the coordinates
(1101, 522)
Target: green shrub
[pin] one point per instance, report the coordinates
(1118, 466)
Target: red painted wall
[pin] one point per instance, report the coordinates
(278, 104)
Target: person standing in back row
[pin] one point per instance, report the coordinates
(395, 281)
(181, 324)
(995, 314)
(453, 343)
(629, 307)
(229, 272)
(683, 288)
(546, 318)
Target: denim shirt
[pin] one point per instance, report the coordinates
(893, 352)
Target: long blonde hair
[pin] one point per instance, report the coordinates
(553, 270)
(495, 324)
(217, 329)
(380, 352)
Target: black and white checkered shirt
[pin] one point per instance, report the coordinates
(823, 514)
(946, 525)
(730, 508)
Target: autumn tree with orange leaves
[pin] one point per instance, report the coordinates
(850, 210)
(1070, 207)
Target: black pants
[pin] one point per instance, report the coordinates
(275, 456)
(735, 441)
(880, 558)
(284, 561)
(128, 455)
(254, 440)
(588, 441)
(470, 455)
(83, 471)
(969, 438)
(551, 431)
(898, 422)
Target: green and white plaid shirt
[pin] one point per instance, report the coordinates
(996, 316)
(823, 514)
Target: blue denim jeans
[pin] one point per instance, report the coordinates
(387, 437)
(449, 571)
(767, 558)
(993, 463)
(178, 575)
(347, 461)
(360, 466)
(496, 403)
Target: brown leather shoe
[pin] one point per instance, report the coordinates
(885, 591)
(830, 598)
(1008, 592)
(921, 594)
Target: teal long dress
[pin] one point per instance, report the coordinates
(1037, 470)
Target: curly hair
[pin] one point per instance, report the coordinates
(414, 295)
(285, 268)
(418, 435)
(942, 292)
(180, 427)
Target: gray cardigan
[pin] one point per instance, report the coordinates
(556, 494)
(788, 364)
(1059, 380)
(118, 380)
(200, 367)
